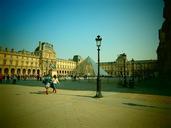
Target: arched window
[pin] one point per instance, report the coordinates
(24, 71)
(34, 71)
(6, 71)
(12, 71)
(38, 71)
(18, 71)
(29, 71)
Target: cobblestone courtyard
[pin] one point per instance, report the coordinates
(73, 106)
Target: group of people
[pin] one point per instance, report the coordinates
(8, 79)
(50, 82)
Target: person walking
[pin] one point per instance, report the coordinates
(47, 81)
(1, 78)
(5, 78)
(14, 79)
(55, 81)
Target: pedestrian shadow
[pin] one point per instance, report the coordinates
(38, 92)
(84, 96)
(78, 95)
(44, 92)
(41, 92)
(139, 105)
(147, 106)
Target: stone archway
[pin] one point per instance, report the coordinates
(18, 71)
(29, 71)
(24, 72)
(12, 71)
(34, 71)
(38, 71)
(6, 71)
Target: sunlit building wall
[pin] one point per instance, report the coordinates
(65, 67)
(18, 62)
(140, 68)
(44, 59)
(32, 64)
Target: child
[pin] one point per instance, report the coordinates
(54, 83)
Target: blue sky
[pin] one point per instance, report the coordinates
(126, 26)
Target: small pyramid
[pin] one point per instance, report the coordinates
(90, 68)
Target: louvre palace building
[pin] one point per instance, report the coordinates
(39, 62)
(124, 67)
(44, 59)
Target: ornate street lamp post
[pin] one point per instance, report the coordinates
(132, 62)
(98, 90)
(124, 59)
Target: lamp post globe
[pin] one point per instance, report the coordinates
(98, 41)
(98, 89)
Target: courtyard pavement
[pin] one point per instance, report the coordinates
(26, 106)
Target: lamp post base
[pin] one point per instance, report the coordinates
(98, 95)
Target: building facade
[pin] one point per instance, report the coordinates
(44, 60)
(65, 67)
(32, 64)
(21, 63)
(164, 48)
(123, 67)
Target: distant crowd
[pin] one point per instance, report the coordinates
(13, 78)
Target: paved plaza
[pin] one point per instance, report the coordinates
(25, 105)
